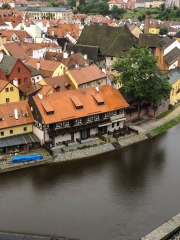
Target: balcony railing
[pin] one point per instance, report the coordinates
(77, 128)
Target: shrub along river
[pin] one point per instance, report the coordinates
(124, 194)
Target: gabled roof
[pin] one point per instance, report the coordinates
(87, 74)
(21, 34)
(60, 81)
(44, 90)
(3, 84)
(93, 52)
(30, 88)
(15, 51)
(166, 42)
(47, 68)
(148, 40)
(173, 75)
(63, 29)
(177, 35)
(7, 64)
(9, 121)
(71, 60)
(112, 41)
(172, 56)
(64, 108)
(34, 71)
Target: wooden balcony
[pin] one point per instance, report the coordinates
(76, 128)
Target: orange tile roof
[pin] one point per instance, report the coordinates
(47, 68)
(79, 16)
(21, 34)
(2, 22)
(63, 29)
(64, 108)
(60, 81)
(29, 47)
(86, 74)
(30, 88)
(72, 59)
(8, 108)
(44, 90)
(3, 84)
(16, 51)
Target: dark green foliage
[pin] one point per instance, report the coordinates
(139, 77)
(6, 6)
(163, 31)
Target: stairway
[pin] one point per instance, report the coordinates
(116, 145)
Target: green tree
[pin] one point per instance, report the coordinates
(162, 6)
(6, 6)
(48, 4)
(139, 77)
(116, 12)
(163, 31)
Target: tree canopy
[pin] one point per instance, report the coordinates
(163, 31)
(138, 74)
(6, 6)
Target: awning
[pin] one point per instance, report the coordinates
(118, 120)
(20, 139)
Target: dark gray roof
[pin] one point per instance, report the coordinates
(112, 41)
(34, 71)
(93, 52)
(166, 42)
(172, 56)
(7, 64)
(18, 140)
(43, 9)
(148, 40)
(173, 75)
(177, 35)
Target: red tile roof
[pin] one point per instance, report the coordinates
(16, 51)
(63, 29)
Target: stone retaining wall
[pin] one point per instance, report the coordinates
(82, 153)
(165, 231)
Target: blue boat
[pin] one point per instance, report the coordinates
(26, 158)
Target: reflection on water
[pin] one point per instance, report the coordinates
(123, 194)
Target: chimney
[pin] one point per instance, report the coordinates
(16, 113)
(15, 82)
(147, 21)
(1, 56)
(65, 54)
(85, 56)
(76, 65)
(72, 52)
(52, 33)
(38, 65)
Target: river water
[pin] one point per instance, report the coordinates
(124, 194)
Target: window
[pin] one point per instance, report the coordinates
(7, 89)
(19, 81)
(117, 124)
(25, 80)
(11, 131)
(2, 133)
(111, 58)
(19, 70)
(37, 77)
(112, 125)
(7, 99)
(11, 89)
(25, 129)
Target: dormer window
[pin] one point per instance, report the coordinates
(47, 107)
(78, 104)
(98, 99)
(24, 112)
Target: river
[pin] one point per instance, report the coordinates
(124, 194)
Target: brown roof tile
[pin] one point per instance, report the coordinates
(30, 88)
(60, 81)
(8, 108)
(3, 84)
(87, 74)
(16, 51)
(64, 108)
(63, 29)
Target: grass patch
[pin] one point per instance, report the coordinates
(164, 114)
(166, 126)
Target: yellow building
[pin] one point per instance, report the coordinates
(174, 79)
(16, 127)
(8, 92)
(47, 68)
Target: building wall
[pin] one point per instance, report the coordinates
(175, 92)
(13, 95)
(72, 79)
(59, 70)
(161, 62)
(36, 78)
(154, 30)
(95, 83)
(136, 31)
(22, 75)
(16, 130)
(39, 134)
